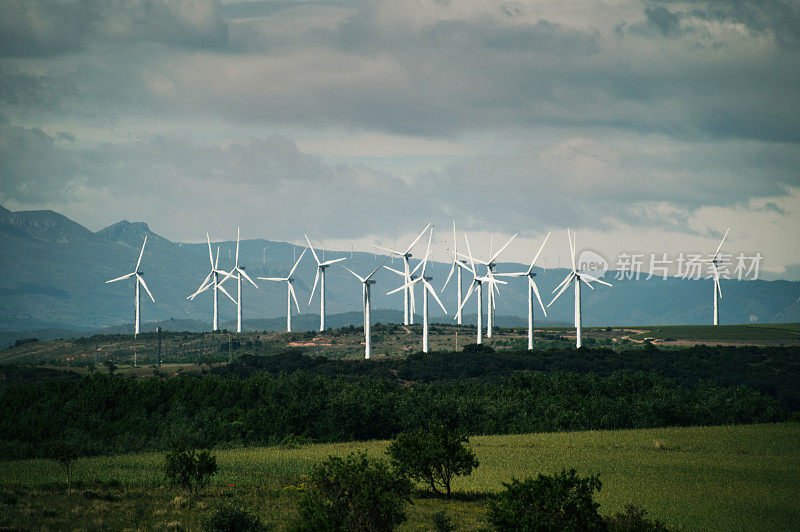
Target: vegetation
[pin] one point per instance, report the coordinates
(64, 454)
(103, 413)
(189, 468)
(354, 493)
(229, 518)
(433, 455)
(696, 478)
(564, 501)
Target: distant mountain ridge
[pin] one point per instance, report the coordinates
(55, 271)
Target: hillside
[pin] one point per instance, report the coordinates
(55, 272)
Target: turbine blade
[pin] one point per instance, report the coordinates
(512, 274)
(429, 287)
(427, 253)
(354, 273)
(502, 248)
(720, 244)
(398, 272)
(406, 285)
(563, 288)
(472, 288)
(587, 283)
(244, 274)
(227, 276)
(536, 291)
(203, 287)
(312, 250)
(536, 257)
(452, 269)
(296, 263)
(392, 251)
(210, 254)
(121, 278)
(141, 280)
(417, 239)
(571, 249)
(216, 261)
(237, 246)
(316, 278)
(567, 278)
(471, 259)
(376, 269)
(138, 262)
(221, 289)
(719, 287)
(291, 291)
(273, 278)
(334, 261)
(595, 279)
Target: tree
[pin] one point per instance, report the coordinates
(189, 468)
(65, 454)
(548, 503)
(433, 455)
(354, 493)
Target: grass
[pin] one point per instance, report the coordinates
(699, 478)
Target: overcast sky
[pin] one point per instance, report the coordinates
(647, 126)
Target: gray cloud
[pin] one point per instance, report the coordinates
(661, 18)
(52, 27)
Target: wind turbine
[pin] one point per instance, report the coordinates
(212, 280)
(408, 293)
(366, 283)
(240, 273)
(490, 265)
(576, 278)
(139, 281)
(426, 288)
(717, 289)
(532, 289)
(320, 276)
(289, 291)
(457, 265)
(477, 286)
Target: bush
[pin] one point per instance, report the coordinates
(434, 455)
(63, 453)
(226, 518)
(189, 468)
(354, 493)
(559, 502)
(442, 523)
(634, 520)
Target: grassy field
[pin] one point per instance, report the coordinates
(701, 478)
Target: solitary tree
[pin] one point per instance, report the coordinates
(433, 455)
(65, 454)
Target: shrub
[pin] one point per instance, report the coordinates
(434, 455)
(63, 453)
(634, 520)
(559, 502)
(442, 523)
(354, 493)
(189, 468)
(225, 518)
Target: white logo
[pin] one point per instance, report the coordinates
(592, 263)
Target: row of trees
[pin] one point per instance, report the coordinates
(102, 414)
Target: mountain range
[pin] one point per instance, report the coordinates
(54, 273)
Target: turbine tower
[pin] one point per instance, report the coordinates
(426, 288)
(408, 293)
(532, 289)
(457, 265)
(139, 281)
(212, 280)
(240, 274)
(290, 295)
(717, 289)
(320, 276)
(366, 283)
(576, 277)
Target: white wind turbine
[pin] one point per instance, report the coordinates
(426, 288)
(139, 281)
(576, 277)
(212, 281)
(477, 286)
(532, 289)
(240, 273)
(715, 272)
(490, 265)
(457, 265)
(289, 280)
(320, 276)
(408, 293)
(366, 283)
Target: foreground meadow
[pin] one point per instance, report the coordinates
(700, 478)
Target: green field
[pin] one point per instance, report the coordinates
(699, 478)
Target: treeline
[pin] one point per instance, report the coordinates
(103, 414)
(774, 371)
